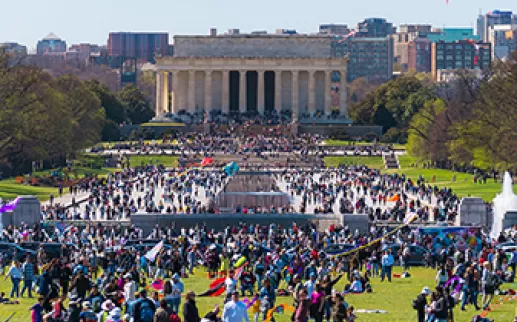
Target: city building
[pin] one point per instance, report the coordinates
(334, 29)
(84, 50)
(286, 32)
(51, 44)
(375, 28)
(369, 57)
(494, 18)
(401, 40)
(503, 40)
(139, 46)
(419, 55)
(14, 49)
(462, 54)
(259, 74)
(452, 34)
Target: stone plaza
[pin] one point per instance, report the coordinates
(255, 74)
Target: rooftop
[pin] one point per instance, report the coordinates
(51, 36)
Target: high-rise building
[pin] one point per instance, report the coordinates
(334, 29)
(462, 54)
(452, 34)
(139, 46)
(84, 50)
(375, 27)
(493, 18)
(369, 57)
(14, 49)
(401, 40)
(503, 40)
(51, 44)
(419, 55)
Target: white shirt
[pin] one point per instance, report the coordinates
(231, 285)
(235, 312)
(129, 291)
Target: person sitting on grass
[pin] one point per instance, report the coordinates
(6, 300)
(356, 286)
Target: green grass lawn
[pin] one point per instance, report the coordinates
(395, 298)
(463, 184)
(9, 189)
(370, 161)
(167, 160)
(160, 141)
(165, 124)
(350, 142)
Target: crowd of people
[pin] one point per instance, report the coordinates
(116, 271)
(107, 278)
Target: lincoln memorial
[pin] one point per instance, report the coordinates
(251, 74)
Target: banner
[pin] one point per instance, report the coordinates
(9, 206)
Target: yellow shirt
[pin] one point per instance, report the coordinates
(255, 308)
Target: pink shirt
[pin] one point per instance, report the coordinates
(316, 298)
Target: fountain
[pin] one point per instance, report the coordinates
(506, 200)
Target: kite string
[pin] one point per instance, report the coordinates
(375, 241)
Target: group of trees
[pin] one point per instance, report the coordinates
(393, 104)
(473, 122)
(469, 121)
(48, 118)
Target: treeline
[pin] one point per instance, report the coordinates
(470, 121)
(47, 118)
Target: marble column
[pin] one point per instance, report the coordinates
(343, 95)
(328, 98)
(208, 91)
(278, 91)
(312, 94)
(159, 93)
(242, 91)
(192, 91)
(226, 92)
(165, 95)
(260, 92)
(295, 100)
(175, 97)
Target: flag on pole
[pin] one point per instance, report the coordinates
(151, 255)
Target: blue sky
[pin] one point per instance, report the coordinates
(92, 20)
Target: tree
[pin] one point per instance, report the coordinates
(87, 115)
(137, 106)
(490, 135)
(114, 109)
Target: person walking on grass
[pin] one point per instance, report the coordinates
(387, 262)
(488, 284)
(28, 276)
(16, 275)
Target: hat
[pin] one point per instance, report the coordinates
(87, 305)
(235, 293)
(128, 275)
(116, 313)
(107, 305)
(312, 274)
(426, 290)
(176, 276)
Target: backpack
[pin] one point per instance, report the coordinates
(415, 304)
(146, 311)
(174, 317)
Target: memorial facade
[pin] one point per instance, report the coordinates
(250, 74)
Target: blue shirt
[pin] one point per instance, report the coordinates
(387, 260)
(235, 312)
